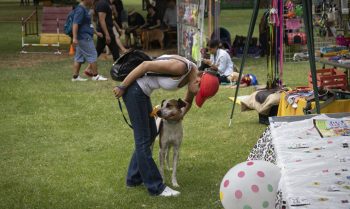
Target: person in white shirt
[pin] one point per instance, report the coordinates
(219, 61)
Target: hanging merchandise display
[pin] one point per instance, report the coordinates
(290, 8)
(293, 27)
(294, 32)
(307, 5)
(190, 18)
(293, 24)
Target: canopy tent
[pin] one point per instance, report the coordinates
(307, 10)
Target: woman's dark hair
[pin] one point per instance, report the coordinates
(214, 43)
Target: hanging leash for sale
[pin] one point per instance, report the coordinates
(277, 25)
(277, 44)
(270, 57)
(273, 21)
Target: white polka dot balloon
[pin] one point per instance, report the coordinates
(250, 185)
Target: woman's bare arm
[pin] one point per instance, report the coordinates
(192, 88)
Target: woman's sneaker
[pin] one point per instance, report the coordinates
(98, 78)
(169, 192)
(79, 79)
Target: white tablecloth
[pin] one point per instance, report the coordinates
(317, 175)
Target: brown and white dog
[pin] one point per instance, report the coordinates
(170, 134)
(148, 36)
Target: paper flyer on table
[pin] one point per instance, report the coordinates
(332, 127)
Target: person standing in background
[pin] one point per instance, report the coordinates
(117, 31)
(105, 26)
(120, 8)
(83, 32)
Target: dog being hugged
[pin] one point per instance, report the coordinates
(170, 134)
(148, 36)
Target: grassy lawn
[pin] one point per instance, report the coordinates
(65, 145)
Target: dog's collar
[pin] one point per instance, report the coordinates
(171, 121)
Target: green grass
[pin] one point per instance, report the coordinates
(65, 145)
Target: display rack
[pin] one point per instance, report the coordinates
(322, 40)
(294, 51)
(190, 18)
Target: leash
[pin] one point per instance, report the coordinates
(270, 61)
(121, 109)
(127, 122)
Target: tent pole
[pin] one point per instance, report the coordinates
(307, 4)
(210, 18)
(245, 52)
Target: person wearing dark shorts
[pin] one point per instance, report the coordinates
(105, 26)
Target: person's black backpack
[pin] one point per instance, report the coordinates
(130, 60)
(127, 63)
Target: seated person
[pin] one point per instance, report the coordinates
(152, 20)
(219, 61)
(170, 16)
(135, 21)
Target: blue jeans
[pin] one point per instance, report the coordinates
(142, 168)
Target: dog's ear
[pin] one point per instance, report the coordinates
(181, 103)
(162, 103)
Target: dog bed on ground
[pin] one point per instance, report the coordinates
(261, 101)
